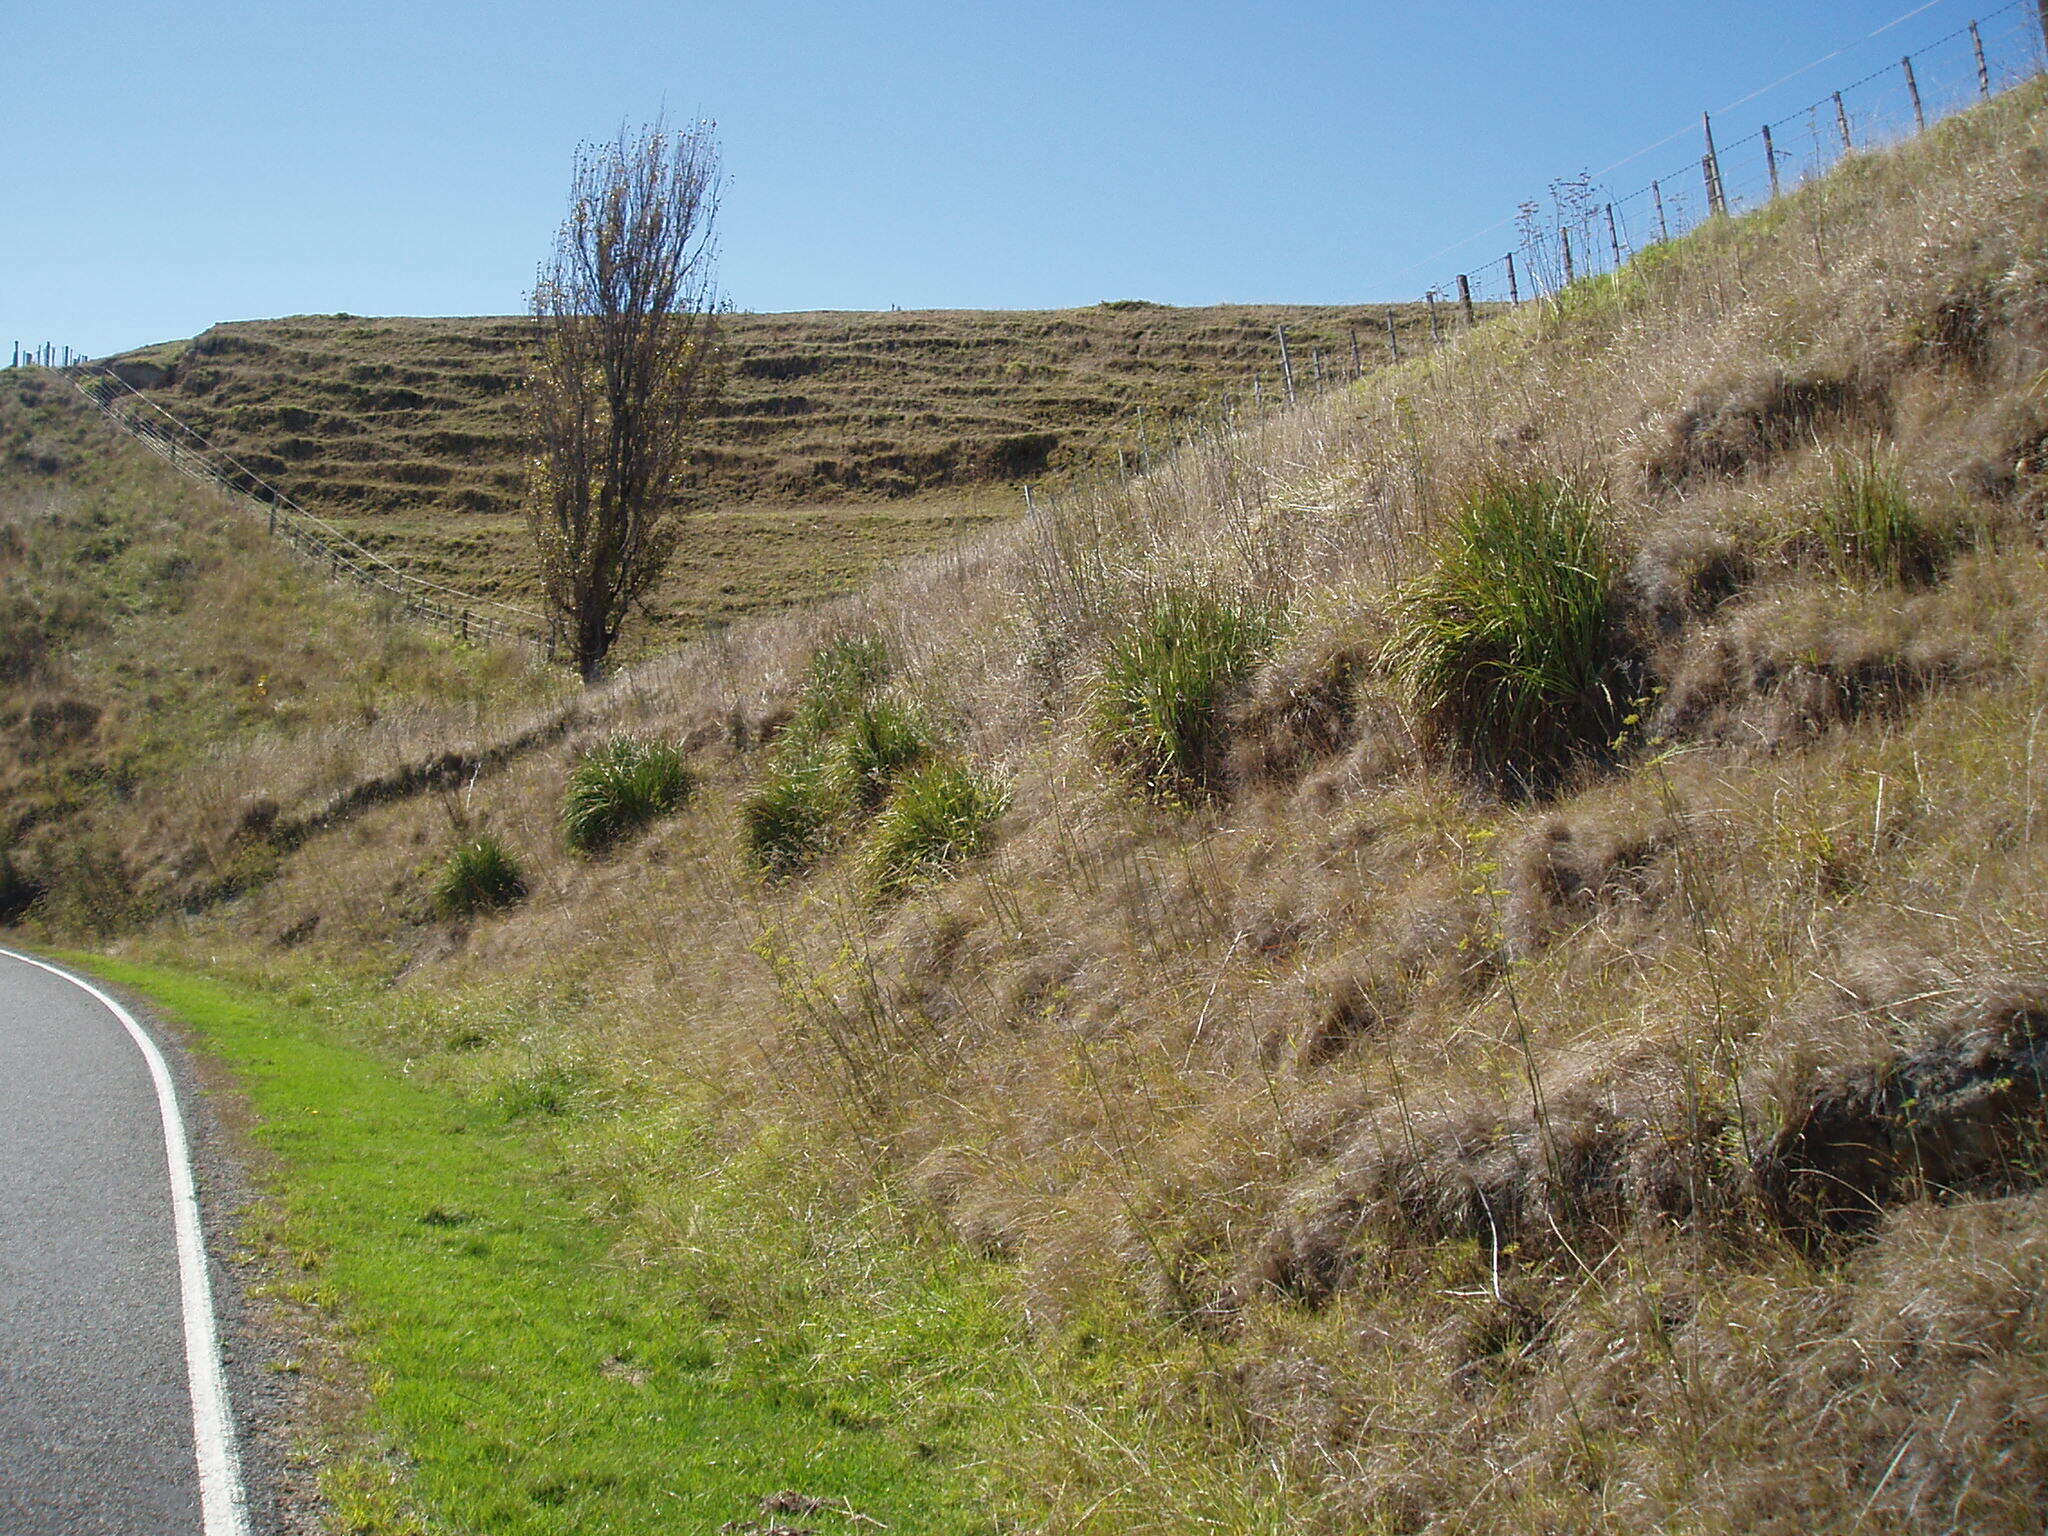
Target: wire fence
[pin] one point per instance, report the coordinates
(464, 615)
(1583, 227)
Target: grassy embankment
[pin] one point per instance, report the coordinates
(1498, 981)
(846, 441)
(162, 660)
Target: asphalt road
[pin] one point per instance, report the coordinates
(96, 1396)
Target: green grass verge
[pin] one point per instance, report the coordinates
(526, 1380)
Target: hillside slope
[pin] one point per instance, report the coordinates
(845, 440)
(148, 631)
(1471, 955)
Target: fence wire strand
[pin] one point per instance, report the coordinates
(464, 615)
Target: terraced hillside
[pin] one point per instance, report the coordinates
(845, 441)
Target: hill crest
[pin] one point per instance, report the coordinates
(845, 439)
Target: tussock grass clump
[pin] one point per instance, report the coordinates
(619, 787)
(881, 741)
(838, 760)
(1156, 706)
(843, 674)
(1869, 525)
(941, 813)
(480, 876)
(1508, 645)
(1734, 425)
(789, 821)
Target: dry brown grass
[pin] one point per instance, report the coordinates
(1664, 1155)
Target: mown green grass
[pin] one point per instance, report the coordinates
(528, 1381)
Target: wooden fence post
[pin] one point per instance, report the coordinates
(1913, 90)
(1514, 288)
(1465, 300)
(1771, 158)
(1393, 338)
(1983, 69)
(1657, 197)
(1564, 238)
(1286, 363)
(1613, 237)
(2044, 23)
(1356, 367)
(1842, 122)
(1436, 336)
(1710, 164)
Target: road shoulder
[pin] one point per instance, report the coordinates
(266, 1342)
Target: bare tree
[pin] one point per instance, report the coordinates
(626, 320)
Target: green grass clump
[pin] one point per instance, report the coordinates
(481, 875)
(842, 675)
(1156, 705)
(1508, 645)
(881, 741)
(941, 813)
(837, 762)
(801, 805)
(1869, 527)
(790, 819)
(621, 786)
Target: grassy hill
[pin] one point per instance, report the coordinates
(846, 440)
(1469, 956)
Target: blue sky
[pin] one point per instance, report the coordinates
(168, 166)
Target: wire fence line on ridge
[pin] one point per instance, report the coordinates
(464, 615)
(1584, 228)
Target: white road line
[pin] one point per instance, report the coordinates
(223, 1507)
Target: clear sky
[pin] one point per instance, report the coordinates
(167, 165)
